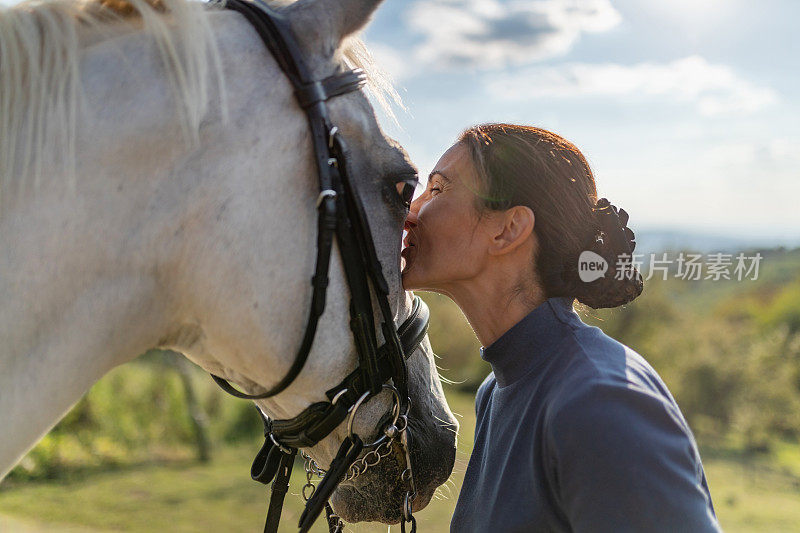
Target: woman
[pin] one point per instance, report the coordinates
(575, 431)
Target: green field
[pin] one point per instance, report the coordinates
(185, 496)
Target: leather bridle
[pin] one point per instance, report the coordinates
(340, 213)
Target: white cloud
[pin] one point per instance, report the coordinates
(769, 162)
(496, 33)
(712, 89)
(390, 60)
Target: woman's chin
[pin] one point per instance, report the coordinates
(407, 277)
(410, 273)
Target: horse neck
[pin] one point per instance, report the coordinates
(77, 302)
(85, 298)
(81, 286)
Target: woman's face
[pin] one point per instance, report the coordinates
(445, 242)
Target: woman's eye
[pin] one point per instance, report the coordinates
(406, 190)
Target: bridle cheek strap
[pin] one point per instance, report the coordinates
(348, 453)
(279, 489)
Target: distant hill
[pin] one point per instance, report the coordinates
(653, 240)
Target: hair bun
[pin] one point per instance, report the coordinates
(615, 242)
(613, 223)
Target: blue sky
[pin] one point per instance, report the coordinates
(687, 109)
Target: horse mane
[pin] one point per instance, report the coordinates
(40, 47)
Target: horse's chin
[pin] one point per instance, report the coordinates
(378, 495)
(375, 502)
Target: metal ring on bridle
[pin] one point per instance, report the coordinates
(339, 395)
(404, 418)
(324, 194)
(377, 460)
(395, 413)
(280, 446)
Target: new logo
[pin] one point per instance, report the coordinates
(591, 266)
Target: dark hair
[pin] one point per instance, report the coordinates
(525, 165)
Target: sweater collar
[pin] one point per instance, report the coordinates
(528, 343)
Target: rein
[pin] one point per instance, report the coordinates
(340, 213)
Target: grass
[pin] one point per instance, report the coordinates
(750, 498)
(749, 494)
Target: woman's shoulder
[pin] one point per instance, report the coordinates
(597, 368)
(592, 355)
(603, 381)
(594, 358)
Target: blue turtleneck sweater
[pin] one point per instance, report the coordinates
(577, 433)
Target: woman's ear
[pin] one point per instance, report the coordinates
(513, 228)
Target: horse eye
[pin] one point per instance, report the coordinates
(405, 189)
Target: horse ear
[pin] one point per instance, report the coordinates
(331, 20)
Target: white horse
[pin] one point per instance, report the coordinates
(158, 190)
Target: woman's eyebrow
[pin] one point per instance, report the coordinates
(439, 172)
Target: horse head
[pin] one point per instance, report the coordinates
(380, 170)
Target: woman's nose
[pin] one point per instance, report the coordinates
(411, 217)
(411, 221)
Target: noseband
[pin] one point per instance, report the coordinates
(340, 213)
